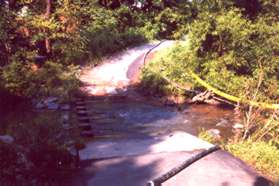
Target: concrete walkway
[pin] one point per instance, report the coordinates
(218, 168)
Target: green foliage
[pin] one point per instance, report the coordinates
(110, 31)
(261, 155)
(206, 136)
(165, 64)
(229, 51)
(50, 79)
(153, 84)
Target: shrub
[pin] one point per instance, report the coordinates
(51, 79)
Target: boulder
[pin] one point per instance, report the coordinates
(214, 133)
(238, 126)
(7, 139)
(50, 100)
(65, 117)
(52, 106)
(40, 105)
(223, 123)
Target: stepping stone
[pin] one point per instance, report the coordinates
(65, 107)
(82, 113)
(85, 126)
(87, 133)
(79, 98)
(105, 121)
(65, 117)
(84, 119)
(80, 107)
(52, 106)
(67, 127)
(95, 112)
(99, 116)
(80, 103)
(40, 105)
(97, 98)
(50, 99)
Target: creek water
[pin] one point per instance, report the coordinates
(130, 118)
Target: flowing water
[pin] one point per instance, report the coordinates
(129, 118)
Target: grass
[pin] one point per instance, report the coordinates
(261, 155)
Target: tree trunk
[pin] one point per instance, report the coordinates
(47, 16)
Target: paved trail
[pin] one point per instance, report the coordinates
(138, 141)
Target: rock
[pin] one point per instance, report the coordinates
(169, 103)
(80, 99)
(110, 90)
(85, 126)
(7, 139)
(66, 126)
(65, 117)
(70, 143)
(238, 126)
(50, 100)
(81, 108)
(202, 97)
(99, 116)
(212, 102)
(222, 123)
(84, 119)
(123, 115)
(87, 133)
(82, 113)
(80, 103)
(214, 133)
(52, 106)
(186, 121)
(40, 105)
(65, 107)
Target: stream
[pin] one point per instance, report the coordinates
(132, 119)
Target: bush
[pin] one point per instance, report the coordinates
(107, 41)
(25, 79)
(229, 51)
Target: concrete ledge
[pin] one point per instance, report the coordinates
(176, 142)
